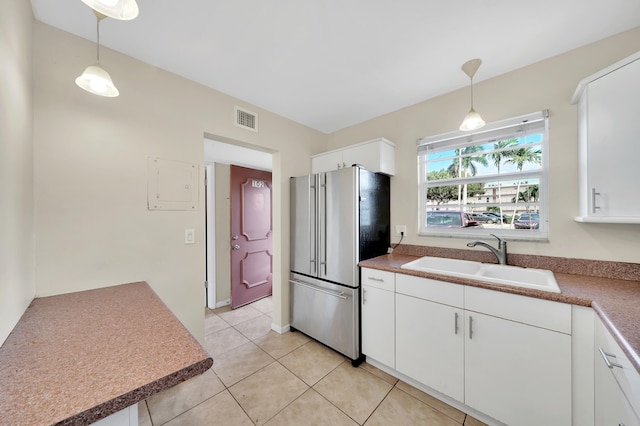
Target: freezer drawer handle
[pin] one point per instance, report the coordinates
(321, 290)
(605, 356)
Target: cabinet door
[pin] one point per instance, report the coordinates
(376, 156)
(617, 385)
(378, 325)
(517, 373)
(429, 344)
(611, 406)
(326, 162)
(367, 155)
(613, 106)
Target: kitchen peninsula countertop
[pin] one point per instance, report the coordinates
(615, 299)
(75, 358)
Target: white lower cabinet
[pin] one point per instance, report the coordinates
(517, 373)
(125, 417)
(378, 316)
(617, 383)
(419, 324)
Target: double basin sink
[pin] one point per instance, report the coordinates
(537, 279)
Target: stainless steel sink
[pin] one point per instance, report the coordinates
(538, 279)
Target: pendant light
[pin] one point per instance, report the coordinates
(117, 9)
(472, 120)
(94, 79)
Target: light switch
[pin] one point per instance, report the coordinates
(189, 236)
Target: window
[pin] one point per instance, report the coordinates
(490, 181)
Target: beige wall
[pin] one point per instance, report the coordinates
(17, 283)
(92, 224)
(547, 84)
(86, 168)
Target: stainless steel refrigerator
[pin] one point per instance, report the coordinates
(338, 218)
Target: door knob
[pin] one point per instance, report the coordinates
(235, 247)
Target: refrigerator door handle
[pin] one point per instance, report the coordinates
(320, 289)
(323, 224)
(313, 251)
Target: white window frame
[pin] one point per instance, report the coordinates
(510, 128)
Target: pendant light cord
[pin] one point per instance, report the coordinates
(98, 38)
(471, 92)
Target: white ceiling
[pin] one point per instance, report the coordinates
(329, 64)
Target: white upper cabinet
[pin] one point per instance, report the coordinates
(609, 143)
(377, 155)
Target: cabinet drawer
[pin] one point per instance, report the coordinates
(537, 312)
(384, 280)
(625, 373)
(428, 289)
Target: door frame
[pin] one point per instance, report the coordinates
(210, 237)
(227, 152)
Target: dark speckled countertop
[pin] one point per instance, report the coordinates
(612, 289)
(75, 358)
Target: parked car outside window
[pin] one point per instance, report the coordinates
(502, 218)
(450, 219)
(527, 221)
(485, 218)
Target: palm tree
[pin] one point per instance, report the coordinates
(530, 195)
(464, 165)
(520, 157)
(497, 157)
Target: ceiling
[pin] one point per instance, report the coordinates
(329, 64)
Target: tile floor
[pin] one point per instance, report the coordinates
(260, 377)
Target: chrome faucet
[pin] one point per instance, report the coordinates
(500, 252)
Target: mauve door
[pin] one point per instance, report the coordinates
(251, 233)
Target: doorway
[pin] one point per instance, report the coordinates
(219, 156)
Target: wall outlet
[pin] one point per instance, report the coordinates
(401, 229)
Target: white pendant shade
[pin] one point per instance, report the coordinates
(97, 81)
(472, 121)
(117, 9)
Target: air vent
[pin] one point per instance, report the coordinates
(246, 119)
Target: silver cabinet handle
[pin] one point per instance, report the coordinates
(455, 320)
(594, 207)
(364, 295)
(470, 327)
(375, 279)
(605, 356)
(321, 290)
